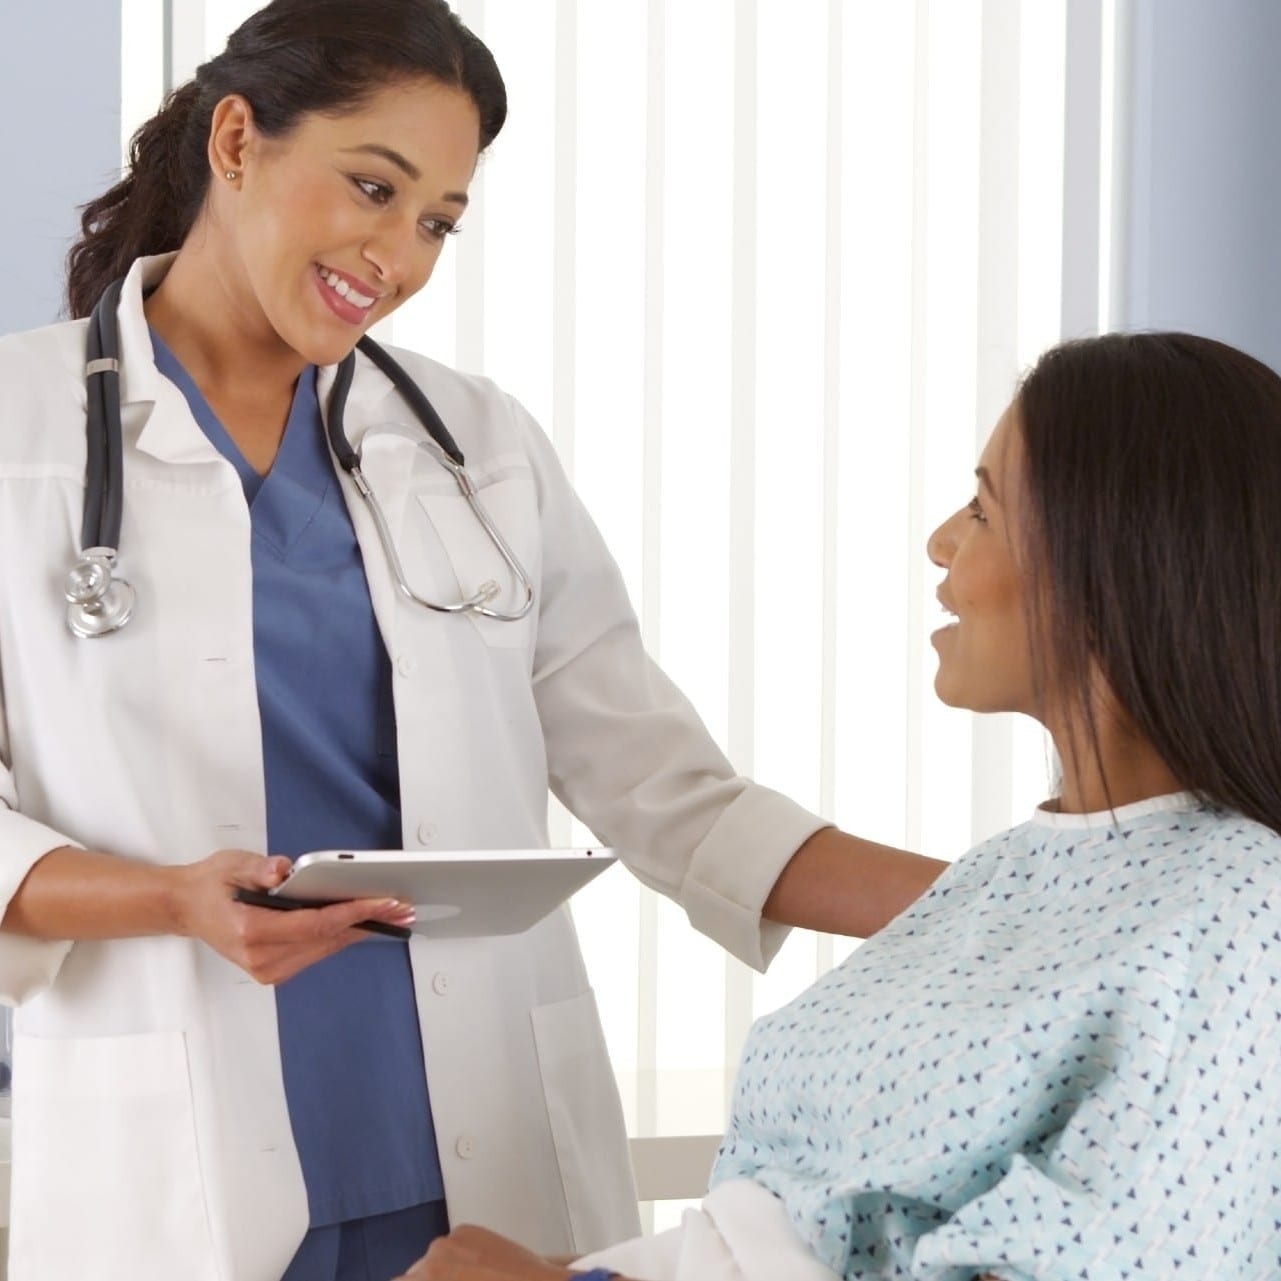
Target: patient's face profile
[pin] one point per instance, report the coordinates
(984, 652)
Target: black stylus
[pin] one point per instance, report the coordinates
(279, 903)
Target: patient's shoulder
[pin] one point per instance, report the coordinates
(1165, 850)
(1231, 841)
(1239, 874)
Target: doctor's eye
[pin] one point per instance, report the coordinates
(378, 192)
(975, 508)
(439, 228)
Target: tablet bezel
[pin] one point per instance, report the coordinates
(457, 893)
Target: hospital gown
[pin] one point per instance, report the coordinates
(1059, 1063)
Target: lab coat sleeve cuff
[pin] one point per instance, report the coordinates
(27, 965)
(735, 867)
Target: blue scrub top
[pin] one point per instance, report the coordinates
(350, 1043)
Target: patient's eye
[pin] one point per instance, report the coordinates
(975, 508)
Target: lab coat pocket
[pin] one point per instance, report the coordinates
(586, 1118)
(105, 1144)
(472, 558)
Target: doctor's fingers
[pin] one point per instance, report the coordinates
(471, 1253)
(242, 867)
(274, 946)
(273, 963)
(437, 1265)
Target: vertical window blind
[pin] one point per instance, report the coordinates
(767, 272)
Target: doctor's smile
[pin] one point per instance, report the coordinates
(343, 294)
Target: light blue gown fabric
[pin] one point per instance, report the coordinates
(1059, 1063)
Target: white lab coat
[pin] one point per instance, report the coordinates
(151, 1138)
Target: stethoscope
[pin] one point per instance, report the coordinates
(99, 603)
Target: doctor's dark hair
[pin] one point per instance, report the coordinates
(1153, 469)
(290, 59)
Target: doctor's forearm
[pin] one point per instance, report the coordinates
(842, 884)
(82, 894)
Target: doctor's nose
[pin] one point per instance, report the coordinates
(398, 256)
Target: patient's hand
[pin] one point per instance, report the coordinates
(475, 1254)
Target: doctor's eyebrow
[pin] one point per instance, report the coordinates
(985, 479)
(405, 166)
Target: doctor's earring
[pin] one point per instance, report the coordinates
(232, 175)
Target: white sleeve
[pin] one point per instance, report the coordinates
(628, 754)
(27, 965)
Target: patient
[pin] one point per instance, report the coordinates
(1059, 1063)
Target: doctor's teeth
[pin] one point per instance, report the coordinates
(343, 289)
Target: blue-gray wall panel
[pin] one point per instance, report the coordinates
(1202, 239)
(59, 141)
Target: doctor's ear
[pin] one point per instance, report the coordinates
(232, 135)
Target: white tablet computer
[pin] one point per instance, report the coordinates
(456, 893)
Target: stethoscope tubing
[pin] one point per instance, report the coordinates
(448, 455)
(423, 409)
(99, 603)
(104, 502)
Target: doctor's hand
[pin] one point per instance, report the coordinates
(269, 946)
(470, 1253)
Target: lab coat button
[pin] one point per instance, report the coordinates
(466, 1147)
(426, 832)
(440, 985)
(406, 664)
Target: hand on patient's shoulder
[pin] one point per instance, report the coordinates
(470, 1253)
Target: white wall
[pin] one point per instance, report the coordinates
(59, 141)
(1201, 247)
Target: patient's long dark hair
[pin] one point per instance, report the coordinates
(291, 59)
(1154, 480)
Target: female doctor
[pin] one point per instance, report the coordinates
(216, 1091)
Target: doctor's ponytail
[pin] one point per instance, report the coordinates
(151, 209)
(288, 60)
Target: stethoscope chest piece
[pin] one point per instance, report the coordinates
(97, 602)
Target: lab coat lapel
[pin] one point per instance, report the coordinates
(153, 410)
